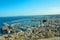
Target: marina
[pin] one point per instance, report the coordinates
(32, 29)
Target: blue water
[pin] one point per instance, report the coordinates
(21, 19)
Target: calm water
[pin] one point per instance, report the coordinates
(22, 19)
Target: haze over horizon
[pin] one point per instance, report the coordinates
(29, 7)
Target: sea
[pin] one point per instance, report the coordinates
(22, 19)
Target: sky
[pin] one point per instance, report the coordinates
(29, 7)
